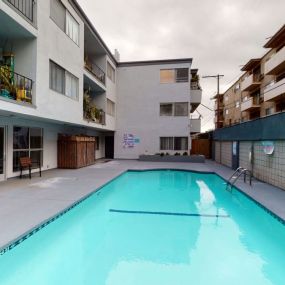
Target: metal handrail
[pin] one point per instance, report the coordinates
(15, 86)
(95, 70)
(238, 172)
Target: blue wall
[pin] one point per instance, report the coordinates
(267, 128)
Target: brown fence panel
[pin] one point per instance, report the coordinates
(76, 151)
(202, 147)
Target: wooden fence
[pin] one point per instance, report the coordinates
(202, 147)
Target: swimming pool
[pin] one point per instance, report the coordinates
(152, 228)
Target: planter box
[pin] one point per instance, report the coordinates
(173, 158)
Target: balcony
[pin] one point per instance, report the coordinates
(95, 70)
(251, 82)
(24, 7)
(276, 64)
(195, 100)
(195, 125)
(274, 92)
(250, 104)
(14, 86)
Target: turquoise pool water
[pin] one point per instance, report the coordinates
(154, 228)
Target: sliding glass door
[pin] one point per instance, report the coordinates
(2, 153)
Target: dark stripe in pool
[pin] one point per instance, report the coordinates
(167, 213)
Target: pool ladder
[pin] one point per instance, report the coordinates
(236, 175)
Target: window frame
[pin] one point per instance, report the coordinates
(169, 143)
(111, 76)
(66, 72)
(174, 109)
(29, 149)
(65, 21)
(113, 111)
(175, 78)
(172, 144)
(164, 115)
(181, 149)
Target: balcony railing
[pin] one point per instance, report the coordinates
(14, 86)
(195, 124)
(275, 91)
(96, 71)
(251, 82)
(276, 64)
(25, 7)
(250, 104)
(195, 85)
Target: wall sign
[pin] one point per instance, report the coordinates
(268, 147)
(129, 141)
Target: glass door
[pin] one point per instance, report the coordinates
(2, 153)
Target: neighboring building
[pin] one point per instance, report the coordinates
(251, 131)
(260, 90)
(58, 76)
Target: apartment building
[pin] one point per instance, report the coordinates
(57, 76)
(154, 106)
(260, 90)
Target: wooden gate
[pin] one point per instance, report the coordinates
(202, 147)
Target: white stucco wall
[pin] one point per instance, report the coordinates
(50, 135)
(139, 94)
(32, 58)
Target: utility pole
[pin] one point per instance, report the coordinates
(218, 76)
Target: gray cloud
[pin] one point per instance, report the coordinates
(220, 35)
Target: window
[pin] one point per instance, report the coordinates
(173, 143)
(71, 86)
(27, 142)
(237, 104)
(226, 111)
(182, 75)
(110, 108)
(63, 81)
(167, 76)
(174, 109)
(110, 72)
(226, 98)
(57, 81)
(166, 143)
(58, 13)
(181, 143)
(166, 109)
(64, 20)
(72, 28)
(174, 75)
(237, 87)
(181, 109)
(269, 111)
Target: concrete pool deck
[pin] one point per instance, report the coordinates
(25, 203)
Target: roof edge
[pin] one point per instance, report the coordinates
(155, 62)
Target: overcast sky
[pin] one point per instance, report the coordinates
(220, 35)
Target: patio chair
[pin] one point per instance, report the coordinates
(26, 163)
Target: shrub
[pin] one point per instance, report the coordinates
(177, 154)
(185, 153)
(162, 154)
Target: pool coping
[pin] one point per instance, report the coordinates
(18, 240)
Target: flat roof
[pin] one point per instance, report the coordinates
(251, 64)
(277, 39)
(155, 62)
